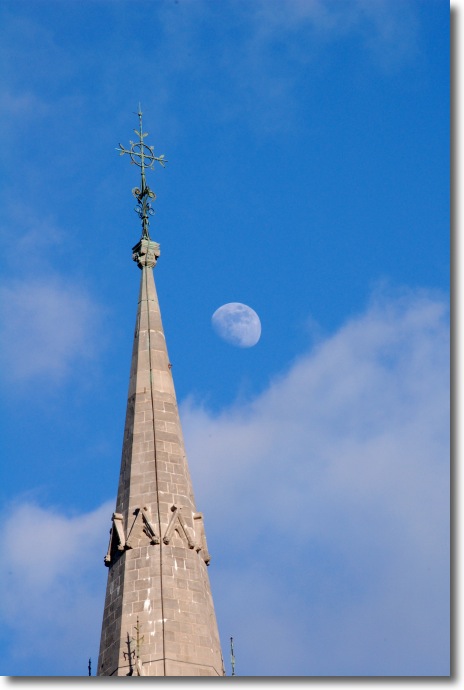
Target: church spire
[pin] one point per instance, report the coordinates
(159, 617)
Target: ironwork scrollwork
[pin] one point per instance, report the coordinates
(143, 156)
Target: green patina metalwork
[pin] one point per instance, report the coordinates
(142, 155)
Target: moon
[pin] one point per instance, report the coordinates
(237, 324)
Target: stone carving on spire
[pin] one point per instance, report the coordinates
(146, 253)
(177, 523)
(142, 525)
(117, 538)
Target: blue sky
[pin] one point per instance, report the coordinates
(308, 177)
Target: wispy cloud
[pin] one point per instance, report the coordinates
(47, 324)
(380, 21)
(258, 52)
(24, 103)
(281, 39)
(55, 587)
(331, 491)
(326, 508)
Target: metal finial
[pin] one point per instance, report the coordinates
(142, 155)
(232, 656)
(138, 640)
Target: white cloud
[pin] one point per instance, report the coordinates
(331, 491)
(46, 325)
(53, 581)
(326, 509)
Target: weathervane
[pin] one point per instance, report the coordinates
(142, 155)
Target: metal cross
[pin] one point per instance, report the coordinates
(143, 156)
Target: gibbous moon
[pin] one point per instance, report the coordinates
(237, 324)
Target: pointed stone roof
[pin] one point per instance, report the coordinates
(159, 617)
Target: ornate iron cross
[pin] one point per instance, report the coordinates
(142, 155)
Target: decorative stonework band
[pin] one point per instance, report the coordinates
(143, 525)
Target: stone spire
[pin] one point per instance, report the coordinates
(159, 616)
